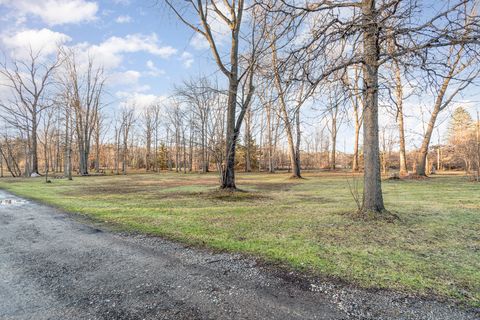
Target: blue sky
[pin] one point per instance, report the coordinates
(144, 48)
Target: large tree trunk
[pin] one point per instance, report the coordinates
(372, 189)
(228, 181)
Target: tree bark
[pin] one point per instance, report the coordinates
(400, 120)
(372, 189)
(228, 181)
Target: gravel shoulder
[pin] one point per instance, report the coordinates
(56, 266)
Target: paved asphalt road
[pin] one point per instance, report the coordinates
(58, 266)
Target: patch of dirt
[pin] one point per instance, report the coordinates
(271, 186)
(315, 198)
(127, 187)
(231, 196)
(414, 177)
(370, 215)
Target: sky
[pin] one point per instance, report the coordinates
(143, 47)
(146, 51)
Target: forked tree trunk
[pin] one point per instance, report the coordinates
(441, 102)
(421, 169)
(294, 158)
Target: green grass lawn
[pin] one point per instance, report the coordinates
(306, 224)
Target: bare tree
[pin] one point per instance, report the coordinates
(291, 95)
(200, 95)
(29, 79)
(398, 99)
(355, 97)
(460, 71)
(335, 22)
(48, 120)
(231, 14)
(98, 132)
(334, 116)
(148, 128)
(10, 155)
(127, 121)
(86, 87)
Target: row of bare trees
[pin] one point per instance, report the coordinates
(44, 94)
(292, 74)
(313, 44)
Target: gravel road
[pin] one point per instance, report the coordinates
(59, 266)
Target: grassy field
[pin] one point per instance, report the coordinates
(305, 224)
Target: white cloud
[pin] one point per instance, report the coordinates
(55, 12)
(110, 52)
(130, 77)
(123, 19)
(139, 101)
(187, 59)
(44, 40)
(153, 70)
